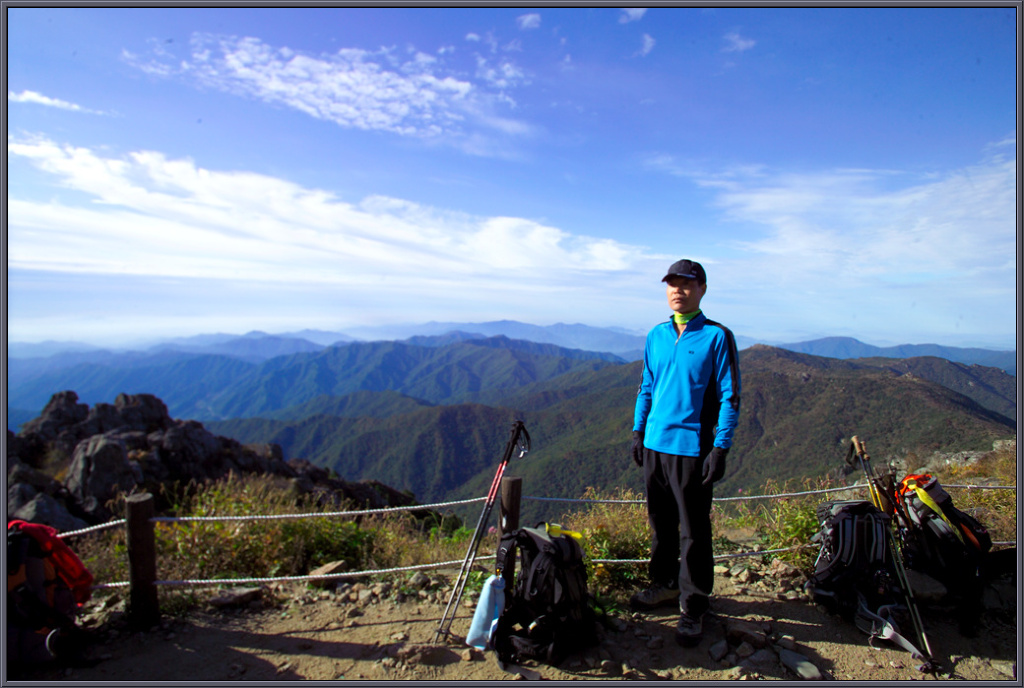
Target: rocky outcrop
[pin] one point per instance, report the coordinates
(132, 445)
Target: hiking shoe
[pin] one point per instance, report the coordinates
(653, 597)
(689, 630)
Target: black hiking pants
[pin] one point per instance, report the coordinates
(679, 510)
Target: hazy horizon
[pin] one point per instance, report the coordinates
(389, 332)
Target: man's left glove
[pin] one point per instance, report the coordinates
(714, 465)
(637, 451)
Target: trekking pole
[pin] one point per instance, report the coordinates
(888, 504)
(519, 438)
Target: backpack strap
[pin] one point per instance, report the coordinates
(883, 628)
(506, 548)
(926, 498)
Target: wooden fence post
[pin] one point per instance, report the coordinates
(511, 492)
(143, 602)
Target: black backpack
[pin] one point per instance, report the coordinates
(854, 575)
(945, 542)
(549, 613)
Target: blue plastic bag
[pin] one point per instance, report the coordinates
(485, 618)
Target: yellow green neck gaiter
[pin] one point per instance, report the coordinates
(682, 318)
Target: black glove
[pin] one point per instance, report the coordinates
(714, 465)
(638, 448)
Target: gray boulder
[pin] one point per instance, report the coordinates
(62, 411)
(18, 495)
(22, 473)
(45, 509)
(100, 469)
(143, 412)
(189, 451)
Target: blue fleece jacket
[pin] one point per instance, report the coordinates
(689, 396)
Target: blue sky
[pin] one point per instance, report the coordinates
(838, 171)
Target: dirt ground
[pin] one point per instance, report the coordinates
(300, 634)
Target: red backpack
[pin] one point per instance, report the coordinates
(66, 564)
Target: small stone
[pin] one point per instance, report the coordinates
(237, 597)
(786, 642)
(761, 661)
(747, 576)
(609, 666)
(401, 636)
(800, 665)
(1005, 667)
(721, 570)
(718, 650)
(739, 630)
(327, 569)
(745, 649)
(781, 569)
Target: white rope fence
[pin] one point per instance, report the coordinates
(419, 507)
(322, 514)
(322, 576)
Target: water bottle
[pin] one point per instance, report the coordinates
(488, 609)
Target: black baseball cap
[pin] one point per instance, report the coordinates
(688, 269)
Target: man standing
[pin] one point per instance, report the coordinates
(686, 411)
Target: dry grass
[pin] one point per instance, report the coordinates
(611, 531)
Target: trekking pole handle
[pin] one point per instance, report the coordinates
(851, 452)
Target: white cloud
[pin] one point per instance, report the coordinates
(475, 38)
(647, 46)
(40, 99)
(502, 74)
(352, 88)
(153, 216)
(736, 43)
(528, 21)
(854, 247)
(631, 14)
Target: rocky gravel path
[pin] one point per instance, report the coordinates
(758, 629)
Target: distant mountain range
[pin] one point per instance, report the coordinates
(798, 411)
(259, 346)
(846, 347)
(212, 386)
(430, 413)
